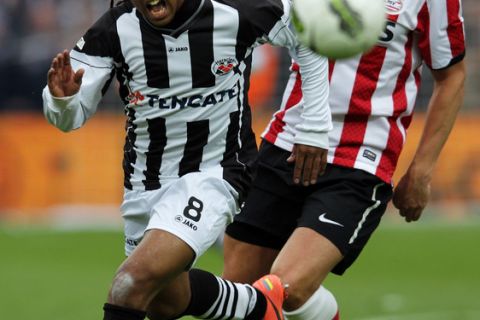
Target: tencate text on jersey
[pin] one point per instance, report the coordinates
(193, 101)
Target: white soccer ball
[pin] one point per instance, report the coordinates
(339, 28)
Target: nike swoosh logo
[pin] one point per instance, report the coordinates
(324, 219)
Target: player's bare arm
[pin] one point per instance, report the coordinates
(413, 191)
(62, 80)
(310, 162)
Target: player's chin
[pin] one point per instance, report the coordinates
(157, 12)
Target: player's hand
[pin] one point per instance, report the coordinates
(310, 162)
(411, 195)
(61, 79)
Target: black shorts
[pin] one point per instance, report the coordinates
(345, 206)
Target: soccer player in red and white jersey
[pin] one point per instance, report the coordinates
(302, 233)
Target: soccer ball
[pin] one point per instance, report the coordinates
(338, 28)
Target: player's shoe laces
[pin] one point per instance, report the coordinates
(274, 292)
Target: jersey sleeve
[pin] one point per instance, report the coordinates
(94, 53)
(441, 33)
(316, 116)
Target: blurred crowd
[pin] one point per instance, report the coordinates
(33, 31)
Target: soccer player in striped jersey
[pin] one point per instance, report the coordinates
(306, 233)
(183, 68)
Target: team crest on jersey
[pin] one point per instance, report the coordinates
(223, 66)
(394, 7)
(135, 97)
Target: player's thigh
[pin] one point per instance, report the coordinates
(346, 208)
(266, 220)
(196, 209)
(270, 212)
(253, 240)
(245, 262)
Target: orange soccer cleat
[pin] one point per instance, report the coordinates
(273, 290)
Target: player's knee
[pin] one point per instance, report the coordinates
(122, 287)
(133, 284)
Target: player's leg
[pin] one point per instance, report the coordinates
(337, 221)
(182, 220)
(246, 262)
(160, 258)
(211, 297)
(166, 305)
(215, 298)
(266, 220)
(303, 264)
(200, 205)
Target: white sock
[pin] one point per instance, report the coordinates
(321, 306)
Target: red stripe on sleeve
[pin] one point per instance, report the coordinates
(331, 66)
(295, 97)
(423, 28)
(455, 28)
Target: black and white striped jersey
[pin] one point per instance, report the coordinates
(185, 90)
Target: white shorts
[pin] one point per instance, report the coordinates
(195, 207)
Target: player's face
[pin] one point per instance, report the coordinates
(158, 12)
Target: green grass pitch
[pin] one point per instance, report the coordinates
(421, 271)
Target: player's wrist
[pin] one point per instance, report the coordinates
(59, 103)
(420, 172)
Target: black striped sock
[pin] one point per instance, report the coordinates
(216, 298)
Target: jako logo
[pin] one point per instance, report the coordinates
(186, 222)
(223, 66)
(178, 49)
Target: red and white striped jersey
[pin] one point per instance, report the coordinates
(372, 96)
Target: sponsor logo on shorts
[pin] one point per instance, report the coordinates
(132, 242)
(324, 219)
(186, 222)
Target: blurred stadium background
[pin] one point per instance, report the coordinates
(60, 228)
